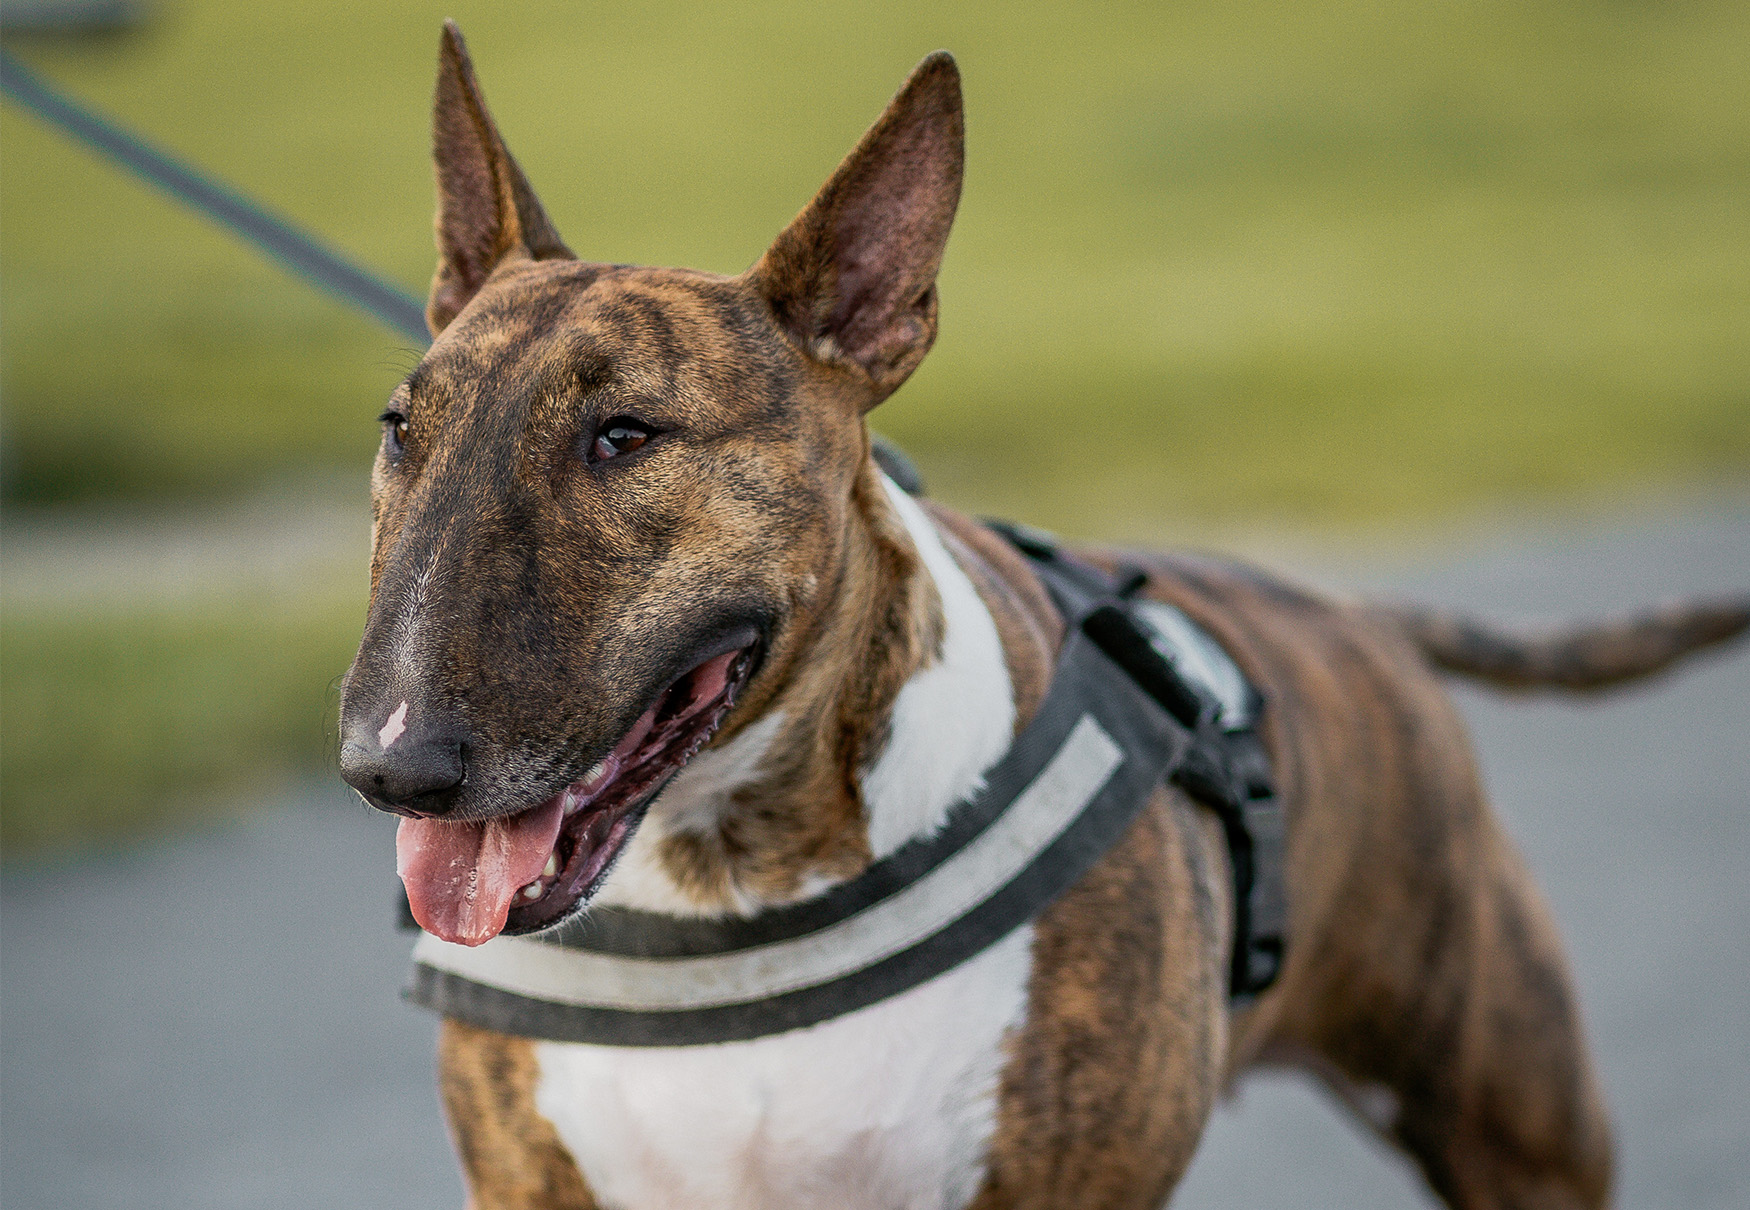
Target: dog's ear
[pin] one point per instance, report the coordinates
(853, 278)
(486, 211)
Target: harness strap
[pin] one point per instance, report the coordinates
(1050, 809)
(1224, 766)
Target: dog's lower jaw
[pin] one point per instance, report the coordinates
(695, 802)
(468, 881)
(663, 742)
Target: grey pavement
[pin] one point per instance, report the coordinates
(212, 1020)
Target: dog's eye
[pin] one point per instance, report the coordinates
(395, 430)
(621, 435)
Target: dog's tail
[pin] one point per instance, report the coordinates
(1582, 658)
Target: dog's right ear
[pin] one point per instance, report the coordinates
(853, 278)
(486, 211)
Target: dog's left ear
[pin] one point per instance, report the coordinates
(853, 278)
(486, 210)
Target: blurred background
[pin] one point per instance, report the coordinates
(1354, 281)
(1219, 267)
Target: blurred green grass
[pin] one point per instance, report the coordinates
(1217, 265)
(113, 725)
(1367, 258)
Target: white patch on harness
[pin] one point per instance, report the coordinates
(394, 728)
(1199, 659)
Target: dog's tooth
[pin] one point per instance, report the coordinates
(552, 866)
(532, 891)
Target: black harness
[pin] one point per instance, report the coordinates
(1140, 695)
(1223, 766)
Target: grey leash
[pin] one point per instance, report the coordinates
(297, 250)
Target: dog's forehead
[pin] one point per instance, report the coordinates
(671, 346)
(602, 318)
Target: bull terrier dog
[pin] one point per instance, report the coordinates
(653, 639)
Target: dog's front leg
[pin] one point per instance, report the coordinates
(511, 1157)
(1109, 1084)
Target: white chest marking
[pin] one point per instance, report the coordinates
(888, 1107)
(953, 719)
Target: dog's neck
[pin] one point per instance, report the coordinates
(888, 718)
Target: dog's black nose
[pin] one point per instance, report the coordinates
(414, 774)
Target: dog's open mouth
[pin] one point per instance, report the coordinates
(468, 882)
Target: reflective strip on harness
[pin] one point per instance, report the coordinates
(1068, 787)
(946, 894)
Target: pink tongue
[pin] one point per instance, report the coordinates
(709, 680)
(462, 877)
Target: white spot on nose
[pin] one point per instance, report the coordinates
(394, 727)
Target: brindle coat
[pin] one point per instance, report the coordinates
(531, 601)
